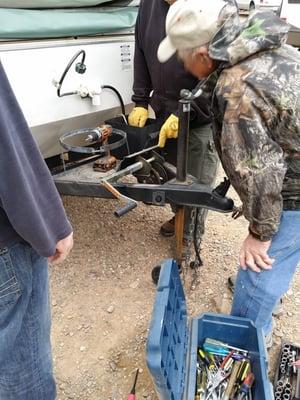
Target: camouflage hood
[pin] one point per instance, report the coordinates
(236, 40)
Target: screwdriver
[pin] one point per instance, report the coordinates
(246, 386)
(221, 345)
(131, 395)
(232, 380)
(203, 357)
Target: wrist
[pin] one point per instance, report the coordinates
(142, 105)
(260, 237)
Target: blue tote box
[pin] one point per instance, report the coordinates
(173, 341)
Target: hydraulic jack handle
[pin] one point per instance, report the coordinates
(130, 203)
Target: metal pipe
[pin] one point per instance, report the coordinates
(128, 170)
(183, 139)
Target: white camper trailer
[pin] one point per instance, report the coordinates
(36, 46)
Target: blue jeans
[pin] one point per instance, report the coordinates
(25, 350)
(256, 294)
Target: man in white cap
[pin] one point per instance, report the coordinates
(253, 83)
(159, 86)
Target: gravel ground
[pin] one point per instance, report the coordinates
(102, 296)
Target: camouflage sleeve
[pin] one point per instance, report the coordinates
(252, 160)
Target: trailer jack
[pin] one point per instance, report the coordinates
(158, 182)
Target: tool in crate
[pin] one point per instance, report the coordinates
(287, 377)
(223, 372)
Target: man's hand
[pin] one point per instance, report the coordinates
(253, 255)
(138, 117)
(63, 248)
(169, 130)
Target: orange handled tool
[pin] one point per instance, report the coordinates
(131, 395)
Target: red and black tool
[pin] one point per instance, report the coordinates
(246, 386)
(131, 395)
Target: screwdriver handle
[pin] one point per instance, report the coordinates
(232, 380)
(247, 384)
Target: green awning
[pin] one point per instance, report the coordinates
(55, 23)
(50, 3)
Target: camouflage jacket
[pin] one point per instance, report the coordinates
(256, 107)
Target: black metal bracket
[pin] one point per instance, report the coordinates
(192, 194)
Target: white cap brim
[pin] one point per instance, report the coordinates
(165, 50)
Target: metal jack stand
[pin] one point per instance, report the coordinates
(181, 176)
(184, 180)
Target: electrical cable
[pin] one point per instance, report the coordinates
(118, 95)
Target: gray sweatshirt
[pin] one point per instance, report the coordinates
(30, 207)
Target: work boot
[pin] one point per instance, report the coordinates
(278, 309)
(168, 228)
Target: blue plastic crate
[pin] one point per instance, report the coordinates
(173, 341)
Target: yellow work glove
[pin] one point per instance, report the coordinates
(169, 130)
(138, 117)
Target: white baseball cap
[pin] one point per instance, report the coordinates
(189, 24)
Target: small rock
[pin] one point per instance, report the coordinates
(82, 348)
(134, 285)
(54, 303)
(113, 366)
(110, 309)
(278, 333)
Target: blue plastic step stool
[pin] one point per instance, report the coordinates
(173, 341)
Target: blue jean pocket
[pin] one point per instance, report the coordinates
(9, 285)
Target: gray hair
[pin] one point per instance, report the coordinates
(187, 53)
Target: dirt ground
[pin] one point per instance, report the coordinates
(102, 296)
